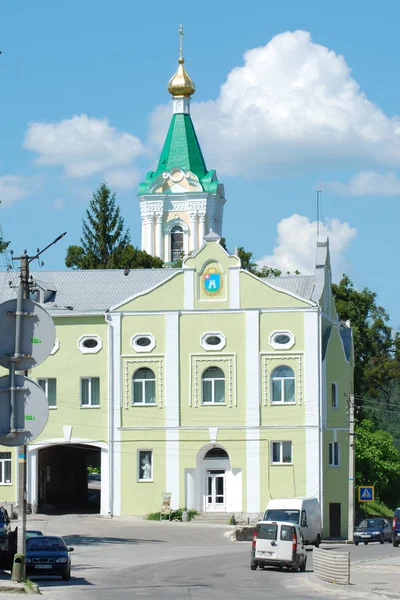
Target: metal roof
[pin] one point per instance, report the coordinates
(89, 291)
(300, 285)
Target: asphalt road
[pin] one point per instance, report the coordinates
(120, 559)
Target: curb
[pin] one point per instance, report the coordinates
(16, 587)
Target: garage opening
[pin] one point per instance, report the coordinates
(69, 479)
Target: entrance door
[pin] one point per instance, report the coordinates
(215, 491)
(334, 520)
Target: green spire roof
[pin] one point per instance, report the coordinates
(181, 149)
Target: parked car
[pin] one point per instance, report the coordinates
(48, 555)
(373, 530)
(396, 528)
(278, 544)
(30, 533)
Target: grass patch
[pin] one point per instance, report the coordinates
(373, 509)
(176, 515)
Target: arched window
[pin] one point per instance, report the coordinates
(176, 243)
(144, 387)
(283, 385)
(334, 396)
(213, 382)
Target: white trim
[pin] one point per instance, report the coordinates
(56, 347)
(210, 347)
(312, 404)
(253, 411)
(234, 287)
(188, 289)
(299, 426)
(148, 348)
(172, 404)
(205, 311)
(288, 345)
(195, 380)
(280, 462)
(114, 413)
(93, 350)
(333, 465)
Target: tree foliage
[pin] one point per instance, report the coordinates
(376, 344)
(105, 243)
(247, 262)
(377, 461)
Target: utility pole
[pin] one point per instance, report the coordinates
(23, 294)
(350, 531)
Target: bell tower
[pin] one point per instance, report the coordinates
(181, 201)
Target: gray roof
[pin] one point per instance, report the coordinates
(300, 285)
(91, 291)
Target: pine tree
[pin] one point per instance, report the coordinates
(105, 243)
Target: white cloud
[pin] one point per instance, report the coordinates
(297, 244)
(122, 178)
(292, 104)
(15, 187)
(367, 183)
(82, 145)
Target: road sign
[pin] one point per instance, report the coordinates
(366, 493)
(32, 411)
(38, 334)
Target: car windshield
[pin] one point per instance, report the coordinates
(292, 516)
(45, 543)
(370, 523)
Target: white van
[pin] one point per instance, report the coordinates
(278, 544)
(305, 512)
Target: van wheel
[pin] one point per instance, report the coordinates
(253, 565)
(382, 539)
(395, 543)
(356, 543)
(317, 541)
(303, 565)
(365, 543)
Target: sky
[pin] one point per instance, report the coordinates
(292, 97)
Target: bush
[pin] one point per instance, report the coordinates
(176, 515)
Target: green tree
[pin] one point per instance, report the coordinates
(105, 243)
(376, 344)
(377, 461)
(246, 259)
(3, 246)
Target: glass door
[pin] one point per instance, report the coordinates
(215, 491)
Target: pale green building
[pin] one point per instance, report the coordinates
(205, 382)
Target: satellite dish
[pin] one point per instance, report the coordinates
(38, 334)
(32, 411)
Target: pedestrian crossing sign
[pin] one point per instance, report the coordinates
(366, 493)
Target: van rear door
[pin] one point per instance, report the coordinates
(266, 545)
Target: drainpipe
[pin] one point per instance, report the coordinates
(108, 319)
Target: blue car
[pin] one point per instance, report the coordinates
(373, 530)
(48, 555)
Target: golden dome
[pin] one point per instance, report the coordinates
(180, 83)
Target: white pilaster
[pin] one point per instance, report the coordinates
(202, 229)
(253, 411)
(167, 247)
(193, 231)
(144, 233)
(159, 240)
(32, 476)
(114, 413)
(188, 283)
(172, 406)
(312, 370)
(234, 287)
(150, 234)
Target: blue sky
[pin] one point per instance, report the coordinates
(310, 93)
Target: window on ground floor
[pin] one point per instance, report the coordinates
(145, 465)
(334, 458)
(5, 468)
(281, 453)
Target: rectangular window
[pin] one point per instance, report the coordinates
(90, 391)
(145, 465)
(49, 387)
(334, 396)
(281, 453)
(334, 454)
(5, 468)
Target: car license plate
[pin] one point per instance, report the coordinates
(43, 566)
(263, 553)
(365, 535)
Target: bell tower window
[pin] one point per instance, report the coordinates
(176, 243)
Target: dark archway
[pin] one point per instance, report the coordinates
(65, 484)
